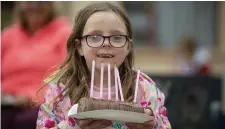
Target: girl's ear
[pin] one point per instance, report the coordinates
(79, 47)
(130, 46)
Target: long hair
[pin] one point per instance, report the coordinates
(73, 72)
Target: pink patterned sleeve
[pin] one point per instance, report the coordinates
(154, 99)
(161, 120)
(53, 118)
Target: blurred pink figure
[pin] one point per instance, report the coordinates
(29, 49)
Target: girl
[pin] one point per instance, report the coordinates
(102, 32)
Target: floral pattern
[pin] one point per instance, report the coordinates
(53, 115)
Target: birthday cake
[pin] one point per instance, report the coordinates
(118, 110)
(91, 104)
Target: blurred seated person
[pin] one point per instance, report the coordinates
(30, 48)
(193, 58)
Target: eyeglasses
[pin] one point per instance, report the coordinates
(116, 41)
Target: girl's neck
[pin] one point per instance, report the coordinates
(97, 79)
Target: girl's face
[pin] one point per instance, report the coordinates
(94, 47)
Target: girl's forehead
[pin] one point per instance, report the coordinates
(105, 20)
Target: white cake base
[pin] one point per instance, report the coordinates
(114, 115)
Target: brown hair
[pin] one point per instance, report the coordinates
(73, 72)
(23, 21)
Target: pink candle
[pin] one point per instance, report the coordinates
(109, 82)
(116, 86)
(119, 83)
(101, 81)
(136, 87)
(92, 77)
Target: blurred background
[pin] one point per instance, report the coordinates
(181, 45)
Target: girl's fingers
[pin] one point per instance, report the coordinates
(146, 125)
(136, 126)
(104, 125)
(131, 125)
(97, 124)
(84, 122)
(148, 112)
(149, 124)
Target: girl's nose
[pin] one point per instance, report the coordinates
(106, 43)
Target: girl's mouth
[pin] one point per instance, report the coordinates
(105, 56)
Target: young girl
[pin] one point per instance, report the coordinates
(102, 32)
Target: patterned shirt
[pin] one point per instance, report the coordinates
(53, 115)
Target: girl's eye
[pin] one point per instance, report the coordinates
(118, 39)
(94, 38)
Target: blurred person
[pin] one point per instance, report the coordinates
(30, 48)
(193, 59)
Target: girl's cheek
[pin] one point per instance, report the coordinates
(94, 51)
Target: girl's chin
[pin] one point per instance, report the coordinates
(105, 68)
(106, 63)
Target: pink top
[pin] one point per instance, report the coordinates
(53, 115)
(27, 58)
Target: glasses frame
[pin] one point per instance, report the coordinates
(105, 37)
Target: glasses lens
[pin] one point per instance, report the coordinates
(94, 40)
(118, 41)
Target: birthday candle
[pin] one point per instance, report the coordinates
(116, 86)
(101, 81)
(136, 87)
(109, 83)
(92, 77)
(119, 83)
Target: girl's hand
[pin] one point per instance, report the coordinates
(93, 124)
(146, 125)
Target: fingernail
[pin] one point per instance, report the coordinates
(148, 112)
